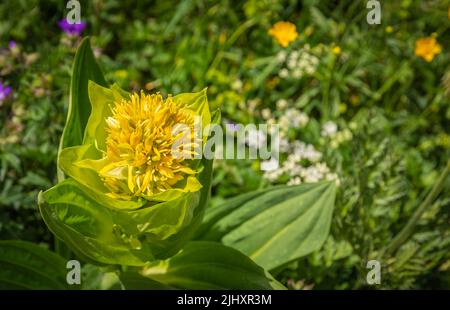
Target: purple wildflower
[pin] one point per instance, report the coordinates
(72, 29)
(4, 91)
(12, 44)
(233, 127)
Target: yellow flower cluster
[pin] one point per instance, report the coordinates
(139, 145)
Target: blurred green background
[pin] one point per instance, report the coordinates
(354, 102)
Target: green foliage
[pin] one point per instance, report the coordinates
(376, 201)
(394, 104)
(111, 235)
(26, 265)
(203, 265)
(274, 226)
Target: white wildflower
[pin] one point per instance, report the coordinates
(266, 114)
(310, 70)
(252, 104)
(284, 145)
(282, 104)
(292, 63)
(329, 129)
(281, 56)
(294, 181)
(284, 73)
(305, 151)
(270, 165)
(273, 175)
(237, 85)
(296, 74)
(296, 118)
(294, 55)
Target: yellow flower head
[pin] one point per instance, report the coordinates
(139, 145)
(427, 48)
(284, 33)
(336, 50)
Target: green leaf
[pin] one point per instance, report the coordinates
(107, 235)
(177, 241)
(25, 265)
(102, 99)
(197, 102)
(85, 68)
(204, 265)
(97, 229)
(99, 278)
(132, 280)
(274, 226)
(69, 162)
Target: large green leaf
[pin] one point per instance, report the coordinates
(132, 280)
(107, 235)
(85, 68)
(25, 265)
(203, 265)
(97, 230)
(274, 226)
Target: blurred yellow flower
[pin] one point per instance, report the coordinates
(284, 33)
(427, 48)
(336, 50)
(389, 29)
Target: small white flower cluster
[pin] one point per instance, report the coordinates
(303, 160)
(314, 173)
(290, 117)
(298, 63)
(294, 167)
(293, 118)
(330, 131)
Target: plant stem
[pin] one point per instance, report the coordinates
(404, 234)
(234, 36)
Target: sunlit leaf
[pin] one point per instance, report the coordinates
(206, 265)
(274, 226)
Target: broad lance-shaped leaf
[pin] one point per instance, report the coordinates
(85, 68)
(24, 265)
(274, 226)
(202, 265)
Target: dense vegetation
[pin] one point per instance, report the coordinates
(356, 103)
